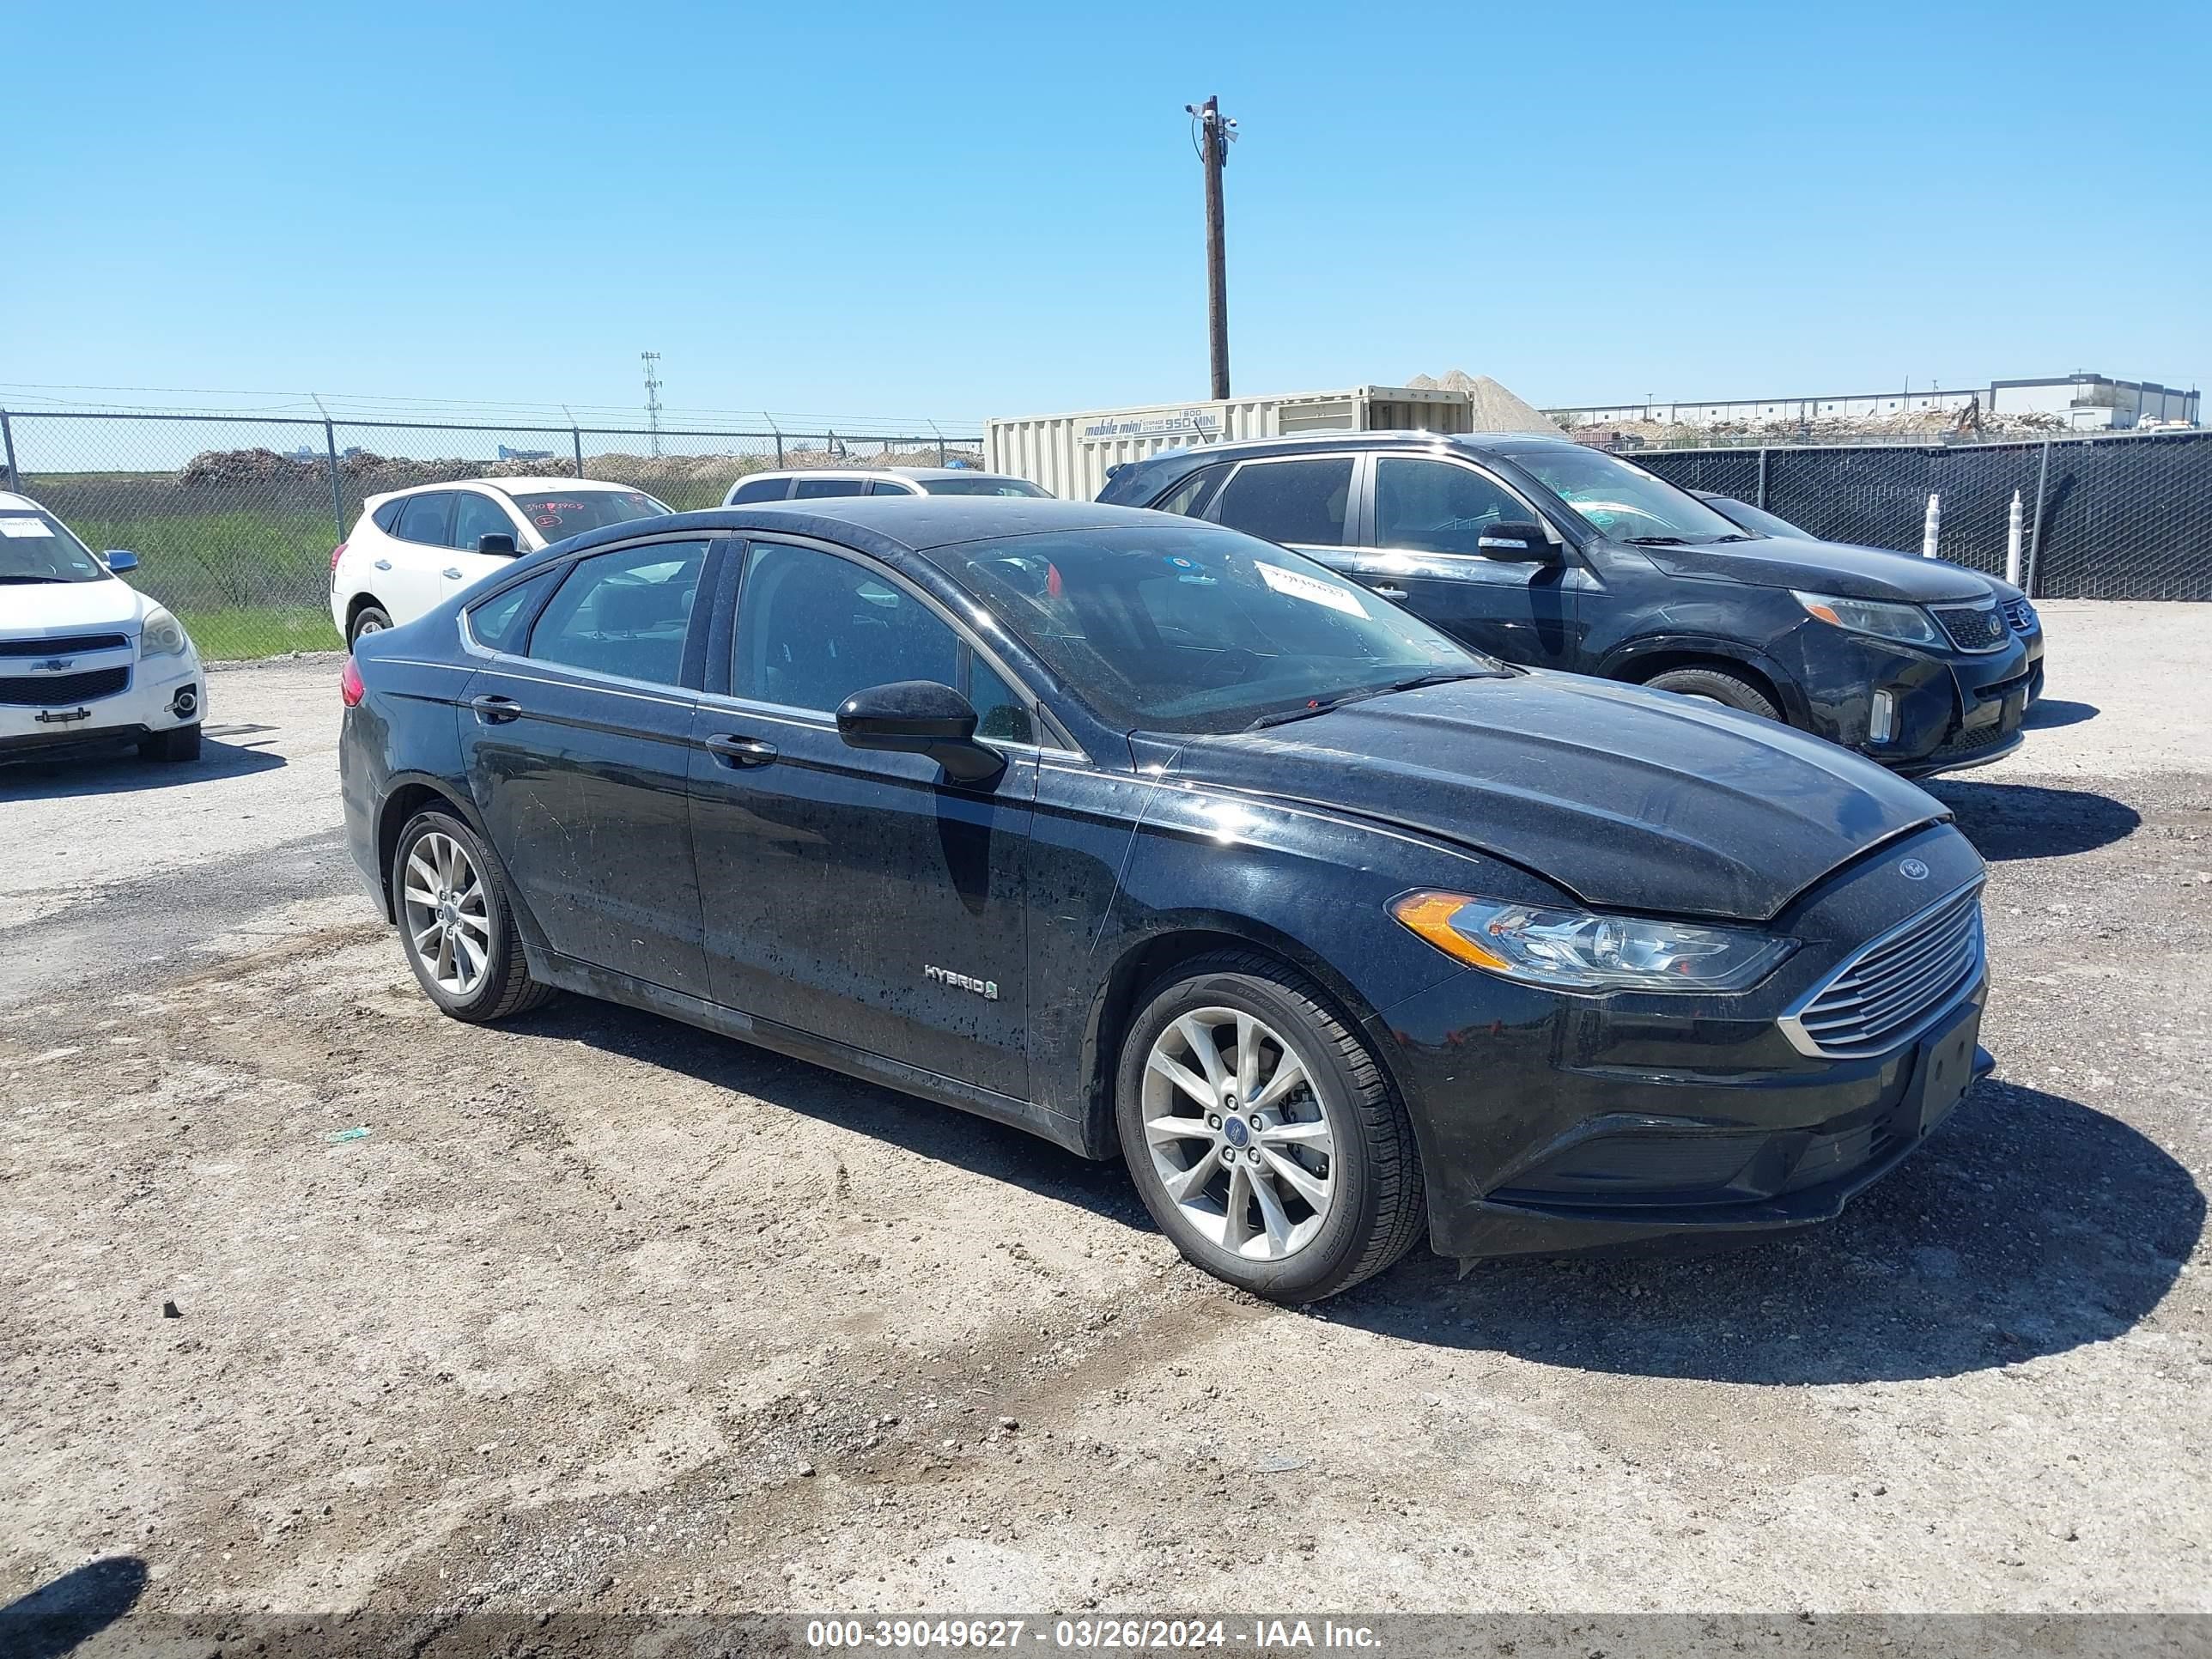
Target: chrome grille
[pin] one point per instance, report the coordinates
(1973, 627)
(2019, 614)
(1885, 994)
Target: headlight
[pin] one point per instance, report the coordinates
(1576, 950)
(162, 635)
(1908, 623)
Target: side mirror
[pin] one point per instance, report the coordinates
(1517, 540)
(498, 545)
(919, 717)
(118, 560)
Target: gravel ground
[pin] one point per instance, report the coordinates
(603, 1313)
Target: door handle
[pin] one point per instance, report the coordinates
(733, 750)
(495, 711)
(384, 564)
(452, 575)
(1388, 591)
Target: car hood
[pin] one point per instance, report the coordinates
(1629, 799)
(30, 609)
(1836, 567)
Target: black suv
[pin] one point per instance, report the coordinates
(1548, 553)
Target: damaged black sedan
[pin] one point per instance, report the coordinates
(1165, 842)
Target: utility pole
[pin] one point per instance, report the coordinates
(1215, 134)
(652, 360)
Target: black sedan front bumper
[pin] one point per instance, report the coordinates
(1551, 1122)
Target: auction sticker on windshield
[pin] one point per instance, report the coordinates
(1311, 589)
(24, 528)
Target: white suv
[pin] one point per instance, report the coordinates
(84, 656)
(411, 548)
(816, 481)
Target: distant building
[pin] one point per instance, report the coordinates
(2084, 402)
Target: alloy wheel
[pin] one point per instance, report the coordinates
(446, 915)
(1237, 1133)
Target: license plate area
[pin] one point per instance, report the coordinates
(1942, 1070)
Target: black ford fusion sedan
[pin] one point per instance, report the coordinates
(1146, 836)
(1545, 552)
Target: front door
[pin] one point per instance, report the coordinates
(577, 752)
(1428, 518)
(852, 895)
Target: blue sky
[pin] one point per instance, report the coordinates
(969, 210)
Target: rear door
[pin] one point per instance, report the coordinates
(1425, 520)
(1303, 501)
(406, 573)
(577, 743)
(477, 514)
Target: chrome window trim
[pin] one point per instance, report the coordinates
(1802, 1042)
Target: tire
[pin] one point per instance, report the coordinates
(369, 619)
(1370, 1175)
(482, 923)
(1716, 686)
(180, 744)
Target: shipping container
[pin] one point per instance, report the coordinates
(1071, 454)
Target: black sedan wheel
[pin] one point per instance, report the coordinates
(1261, 1134)
(455, 922)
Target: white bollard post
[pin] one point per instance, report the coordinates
(2012, 541)
(1928, 530)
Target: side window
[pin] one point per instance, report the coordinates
(423, 518)
(813, 628)
(625, 612)
(475, 516)
(1435, 507)
(496, 623)
(1299, 502)
(1194, 494)
(891, 487)
(760, 490)
(809, 488)
(999, 711)
(387, 518)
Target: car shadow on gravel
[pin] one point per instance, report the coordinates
(64, 1613)
(2052, 712)
(119, 771)
(2029, 1224)
(998, 1152)
(2010, 820)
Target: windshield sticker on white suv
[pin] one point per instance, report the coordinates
(24, 528)
(1311, 589)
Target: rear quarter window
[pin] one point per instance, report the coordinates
(387, 518)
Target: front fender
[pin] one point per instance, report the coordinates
(1623, 660)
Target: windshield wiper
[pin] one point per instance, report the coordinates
(3, 578)
(1361, 694)
(1656, 541)
(1718, 540)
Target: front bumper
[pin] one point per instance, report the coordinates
(1949, 710)
(1550, 1122)
(41, 713)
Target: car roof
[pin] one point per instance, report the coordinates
(12, 502)
(914, 473)
(506, 486)
(895, 523)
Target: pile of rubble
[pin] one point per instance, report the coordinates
(369, 474)
(1929, 425)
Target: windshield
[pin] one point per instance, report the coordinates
(982, 485)
(1192, 628)
(1623, 502)
(556, 515)
(34, 547)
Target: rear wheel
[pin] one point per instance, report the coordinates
(180, 744)
(1262, 1134)
(369, 619)
(456, 924)
(1716, 685)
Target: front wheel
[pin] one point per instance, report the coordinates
(180, 742)
(1715, 685)
(456, 924)
(1262, 1134)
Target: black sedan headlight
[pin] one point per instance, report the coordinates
(1583, 951)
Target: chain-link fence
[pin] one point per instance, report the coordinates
(2116, 517)
(234, 518)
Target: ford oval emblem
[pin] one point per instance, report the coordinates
(1913, 870)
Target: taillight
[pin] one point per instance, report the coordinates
(350, 686)
(336, 553)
